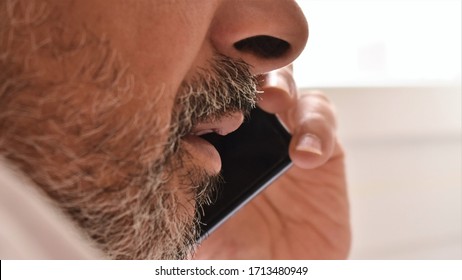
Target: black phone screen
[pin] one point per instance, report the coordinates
(252, 157)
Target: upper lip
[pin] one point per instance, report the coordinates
(222, 126)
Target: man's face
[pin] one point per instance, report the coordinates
(102, 103)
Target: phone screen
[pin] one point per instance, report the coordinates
(252, 157)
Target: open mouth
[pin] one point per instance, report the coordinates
(216, 140)
(205, 140)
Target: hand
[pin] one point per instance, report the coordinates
(304, 214)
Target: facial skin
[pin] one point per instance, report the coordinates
(100, 102)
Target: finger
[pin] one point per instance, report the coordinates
(314, 137)
(312, 144)
(278, 91)
(316, 102)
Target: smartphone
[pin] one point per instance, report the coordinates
(252, 157)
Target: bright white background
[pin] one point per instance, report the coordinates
(381, 43)
(393, 69)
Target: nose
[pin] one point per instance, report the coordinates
(267, 34)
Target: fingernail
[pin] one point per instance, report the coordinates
(309, 143)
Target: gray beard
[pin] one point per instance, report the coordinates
(107, 168)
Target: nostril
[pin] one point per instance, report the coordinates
(263, 46)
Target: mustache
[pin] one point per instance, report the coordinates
(227, 86)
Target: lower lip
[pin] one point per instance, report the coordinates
(205, 155)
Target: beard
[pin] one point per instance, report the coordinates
(90, 135)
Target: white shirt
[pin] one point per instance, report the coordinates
(31, 227)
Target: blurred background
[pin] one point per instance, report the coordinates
(393, 70)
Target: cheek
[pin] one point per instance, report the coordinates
(161, 41)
